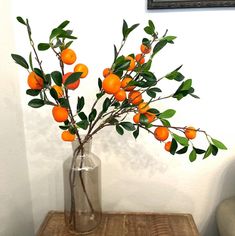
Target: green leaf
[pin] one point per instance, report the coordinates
(43, 46)
(106, 104)
(64, 102)
(149, 30)
(156, 90)
(57, 77)
(183, 150)
(214, 150)
(80, 104)
(175, 75)
(36, 103)
(65, 34)
(127, 126)
(92, 115)
(146, 66)
(199, 151)
(154, 111)
(136, 132)
(167, 114)
(63, 24)
(182, 140)
(33, 92)
(75, 76)
(151, 25)
(72, 130)
(20, 19)
(82, 115)
(149, 76)
(115, 52)
(83, 124)
(30, 61)
(159, 46)
(218, 144)
(99, 95)
(132, 28)
(54, 93)
(184, 89)
(174, 146)
(67, 45)
(193, 155)
(143, 119)
(169, 39)
(122, 66)
(124, 29)
(165, 122)
(64, 127)
(208, 152)
(20, 61)
(151, 93)
(119, 129)
(55, 33)
(38, 72)
(100, 83)
(186, 85)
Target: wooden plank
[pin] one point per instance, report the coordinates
(127, 224)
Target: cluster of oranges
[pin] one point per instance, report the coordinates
(119, 87)
(35, 82)
(161, 133)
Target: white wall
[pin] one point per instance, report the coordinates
(138, 175)
(15, 198)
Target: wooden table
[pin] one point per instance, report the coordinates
(128, 224)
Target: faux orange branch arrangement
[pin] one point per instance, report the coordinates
(128, 88)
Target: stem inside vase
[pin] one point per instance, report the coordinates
(82, 190)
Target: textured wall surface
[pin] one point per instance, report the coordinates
(15, 198)
(138, 175)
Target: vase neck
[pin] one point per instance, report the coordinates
(86, 147)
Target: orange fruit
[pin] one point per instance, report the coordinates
(145, 49)
(120, 95)
(132, 63)
(140, 58)
(161, 133)
(136, 118)
(124, 84)
(60, 114)
(67, 136)
(135, 97)
(35, 81)
(58, 90)
(150, 116)
(68, 56)
(111, 84)
(81, 68)
(167, 146)
(190, 132)
(143, 107)
(106, 72)
(73, 85)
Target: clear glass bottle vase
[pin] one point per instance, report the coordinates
(82, 190)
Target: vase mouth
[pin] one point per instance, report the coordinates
(87, 145)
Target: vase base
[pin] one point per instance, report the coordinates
(95, 220)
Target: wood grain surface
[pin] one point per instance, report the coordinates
(127, 224)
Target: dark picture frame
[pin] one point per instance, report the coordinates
(171, 4)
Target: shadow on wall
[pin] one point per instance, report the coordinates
(225, 189)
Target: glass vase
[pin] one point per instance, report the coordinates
(82, 190)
